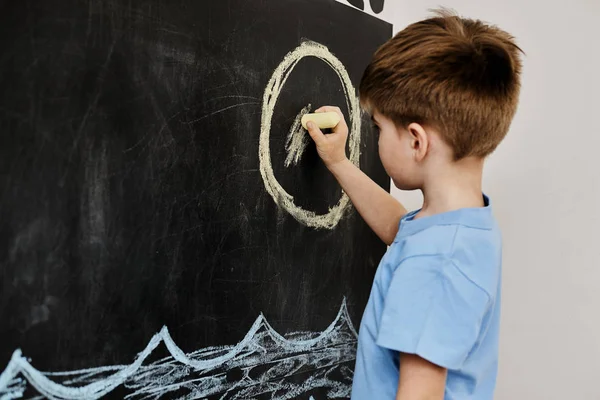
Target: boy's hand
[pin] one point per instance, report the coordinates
(331, 147)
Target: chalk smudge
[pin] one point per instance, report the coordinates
(282, 198)
(297, 139)
(261, 363)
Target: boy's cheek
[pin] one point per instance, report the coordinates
(387, 159)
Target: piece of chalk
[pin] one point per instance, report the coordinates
(323, 120)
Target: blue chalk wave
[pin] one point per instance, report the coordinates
(263, 364)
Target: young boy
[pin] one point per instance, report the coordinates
(442, 94)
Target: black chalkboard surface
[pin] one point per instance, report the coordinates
(146, 250)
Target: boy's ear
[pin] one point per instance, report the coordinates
(419, 140)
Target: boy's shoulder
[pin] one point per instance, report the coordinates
(468, 240)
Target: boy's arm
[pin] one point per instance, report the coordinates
(376, 206)
(420, 379)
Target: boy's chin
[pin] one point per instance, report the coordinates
(402, 185)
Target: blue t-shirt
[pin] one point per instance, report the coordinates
(436, 293)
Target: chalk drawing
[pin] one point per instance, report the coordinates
(282, 198)
(264, 362)
(297, 139)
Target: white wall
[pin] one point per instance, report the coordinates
(544, 182)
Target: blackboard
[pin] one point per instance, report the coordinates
(141, 253)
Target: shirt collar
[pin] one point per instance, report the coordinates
(475, 217)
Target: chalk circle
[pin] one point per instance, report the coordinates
(282, 198)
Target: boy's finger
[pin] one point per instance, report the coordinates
(342, 124)
(328, 108)
(315, 133)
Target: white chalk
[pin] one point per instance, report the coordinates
(323, 120)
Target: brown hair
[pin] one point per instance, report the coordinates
(458, 75)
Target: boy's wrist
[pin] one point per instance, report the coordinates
(336, 166)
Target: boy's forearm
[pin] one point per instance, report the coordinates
(376, 206)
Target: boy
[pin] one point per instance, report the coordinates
(442, 94)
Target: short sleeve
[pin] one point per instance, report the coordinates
(433, 310)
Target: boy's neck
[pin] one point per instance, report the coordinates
(452, 187)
